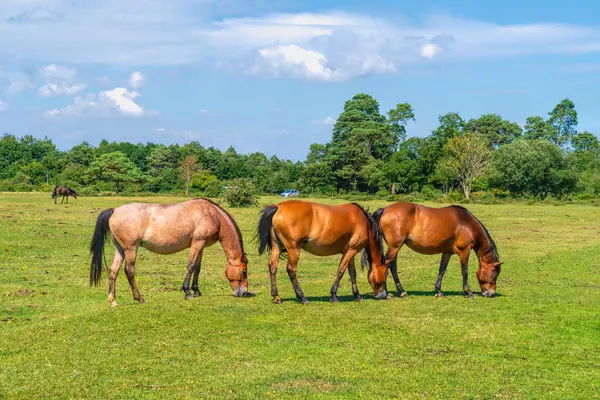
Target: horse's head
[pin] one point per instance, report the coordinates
(377, 278)
(487, 274)
(237, 274)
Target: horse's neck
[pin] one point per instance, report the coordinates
(483, 242)
(229, 238)
(374, 248)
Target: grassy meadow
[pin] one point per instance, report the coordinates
(539, 338)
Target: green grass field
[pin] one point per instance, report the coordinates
(540, 338)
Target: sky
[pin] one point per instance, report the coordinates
(273, 75)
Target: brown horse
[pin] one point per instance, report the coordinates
(63, 191)
(168, 229)
(448, 230)
(322, 230)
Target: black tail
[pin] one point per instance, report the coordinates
(366, 256)
(265, 224)
(377, 215)
(97, 246)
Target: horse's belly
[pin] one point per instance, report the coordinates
(320, 249)
(428, 247)
(165, 246)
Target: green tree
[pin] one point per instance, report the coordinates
(585, 141)
(536, 128)
(188, 167)
(471, 154)
(563, 118)
(496, 130)
(116, 168)
(241, 193)
(451, 126)
(535, 167)
(398, 119)
(446, 173)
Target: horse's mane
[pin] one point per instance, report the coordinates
(367, 257)
(71, 190)
(235, 225)
(492, 246)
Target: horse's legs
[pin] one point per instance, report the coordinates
(130, 272)
(63, 200)
(193, 258)
(67, 199)
(293, 257)
(352, 273)
(464, 267)
(114, 271)
(443, 265)
(346, 258)
(275, 252)
(195, 286)
(392, 254)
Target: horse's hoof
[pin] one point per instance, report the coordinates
(439, 294)
(334, 299)
(469, 296)
(358, 298)
(403, 294)
(142, 301)
(277, 300)
(113, 305)
(189, 296)
(304, 301)
(197, 294)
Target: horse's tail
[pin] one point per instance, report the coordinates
(97, 246)
(377, 215)
(265, 225)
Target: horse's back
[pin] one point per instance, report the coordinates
(322, 229)
(427, 230)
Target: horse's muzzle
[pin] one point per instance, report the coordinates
(489, 293)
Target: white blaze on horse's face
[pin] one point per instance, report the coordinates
(238, 278)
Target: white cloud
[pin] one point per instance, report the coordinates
(15, 82)
(3, 106)
(326, 121)
(328, 46)
(59, 81)
(159, 130)
(429, 50)
(204, 112)
(118, 101)
(136, 80)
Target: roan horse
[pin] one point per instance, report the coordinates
(167, 229)
(448, 230)
(63, 191)
(322, 230)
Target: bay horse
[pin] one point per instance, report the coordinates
(168, 229)
(322, 230)
(63, 191)
(447, 230)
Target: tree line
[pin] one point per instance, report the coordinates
(368, 153)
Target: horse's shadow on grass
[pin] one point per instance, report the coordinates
(431, 293)
(350, 298)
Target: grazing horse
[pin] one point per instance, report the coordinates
(448, 230)
(168, 229)
(63, 191)
(322, 230)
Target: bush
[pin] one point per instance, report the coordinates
(241, 193)
(212, 189)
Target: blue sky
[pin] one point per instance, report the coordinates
(272, 76)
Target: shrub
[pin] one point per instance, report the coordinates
(241, 193)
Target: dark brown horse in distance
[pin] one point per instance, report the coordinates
(322, 230)
(63, 191)
(168, 229)
(448, 230)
